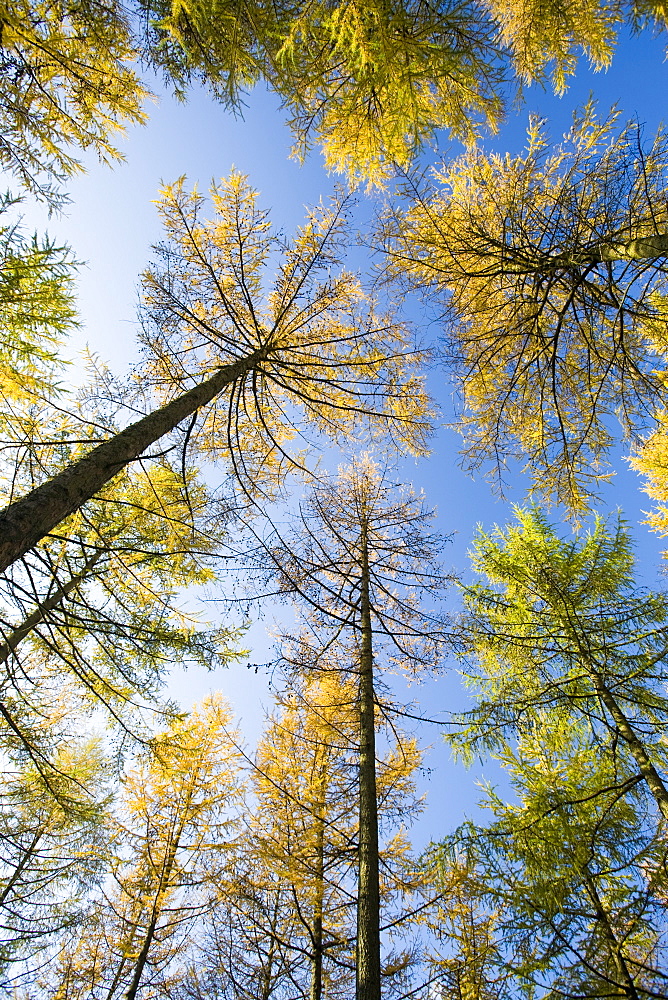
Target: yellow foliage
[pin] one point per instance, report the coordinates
(323, 348)
(552, 323)
(66, 83)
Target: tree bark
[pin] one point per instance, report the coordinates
(319, 873)
(616, 950)
(642, 248)
(156, 910)
(635, 745)
(520, 261)
(368, 893)
(24, 522)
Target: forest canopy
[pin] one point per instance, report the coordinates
(258, 455)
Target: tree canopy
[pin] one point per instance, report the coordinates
(145, 851)
(549, 271)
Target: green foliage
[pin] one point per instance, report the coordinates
(568, 884)
(557, 625)
(36, 312)
(221, 43)
(565, 656)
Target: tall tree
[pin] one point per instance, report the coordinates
(315, 345)
(549, 269)
(173, 833)
(290, 894)
(360, 565)
(304, 824)
(560, 626)
(565, 655)
(571, 876)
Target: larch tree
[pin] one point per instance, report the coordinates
(173, 833)
(569, 881)
(360, 566)
(53, 844)
(371, 82)
(241, 367)
(547, 38)
(549, 269)
(288, 892)
(565, 655)
(290, 895)
(561, 627)
(303, 825)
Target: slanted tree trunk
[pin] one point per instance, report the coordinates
(39, 614)
(24, 522)
(368, 893)
(520, 261)
(642, 248)
(627, 733)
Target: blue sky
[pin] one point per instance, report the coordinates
(112, 222)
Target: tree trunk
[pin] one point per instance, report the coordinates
(368, 894)
(268, 969)
(27, 855)
(643, 248)
(616, 950)
(24, 522)
(156, 910)
(142, 957)
(635, 745)
(319, 878)
(38, 615)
